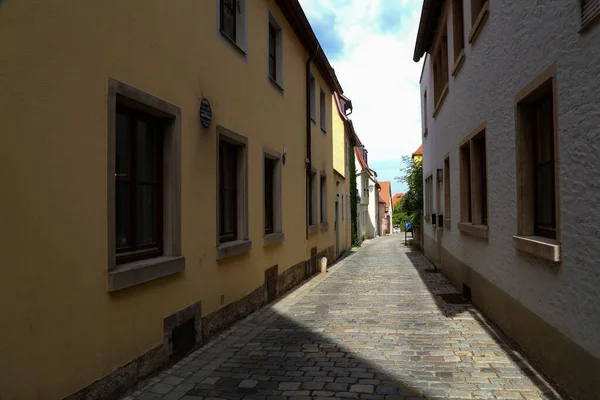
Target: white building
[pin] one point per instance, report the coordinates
(367, 200)
(510, 95)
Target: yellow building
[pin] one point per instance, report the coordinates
(344, 138)
(156, 159)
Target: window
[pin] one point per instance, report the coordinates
(232, 193)
(440, 69)
(138, 186)
(323, 199)
(228, 187)
(479, 12)
(473, 184)
(428, 196)
(272, 196)
(272, 52)
(537, 206)
(143, 183)
(269, 195)
(275, 52)
(323, 110)
(459, 32)
(229, 18)
(425, 114)
(447, 194)
(232, 22)
(313, 106)
(536, 137)
(312, 204)
(590, 9)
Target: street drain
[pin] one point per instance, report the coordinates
(453, 298)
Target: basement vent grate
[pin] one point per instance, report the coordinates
(183, 339)
(453, 298)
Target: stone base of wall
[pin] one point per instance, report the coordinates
(291, 278)
(117, 384)
(571, 367)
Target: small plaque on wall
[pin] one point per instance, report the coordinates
(205, 113)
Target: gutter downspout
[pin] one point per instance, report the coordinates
(308, 137)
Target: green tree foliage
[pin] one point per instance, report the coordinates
(353, 189)
(410, 208)
(398, 215)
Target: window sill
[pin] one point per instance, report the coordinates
(324, 225)
(323, 130)
(425, 132)
(138, 272)
(459, 62)
(548, 249)
(273, 238)
(313, 120)
(276, 85)
(481, 18)
(313, 228)
(441, 100)
(480, 231)
(447, 224)
(231, 249)
(234, 44)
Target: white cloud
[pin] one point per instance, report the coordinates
(377, 72)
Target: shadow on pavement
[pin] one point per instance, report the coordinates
(439, 286)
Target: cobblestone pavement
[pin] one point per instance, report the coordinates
(371, 328)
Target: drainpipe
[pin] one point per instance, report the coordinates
(308, 137)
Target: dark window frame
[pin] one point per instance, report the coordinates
(233, 11)
(137, 252)
(234, 151)
(540, 133)
(270, 166)
(323, 110)
(323, 198)
(273, 32)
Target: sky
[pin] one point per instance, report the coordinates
(370, 44)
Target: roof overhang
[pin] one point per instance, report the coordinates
(430, 15)
(292, 10)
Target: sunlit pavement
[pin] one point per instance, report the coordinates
(373, 327)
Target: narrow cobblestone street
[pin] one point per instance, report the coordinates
(373, 327)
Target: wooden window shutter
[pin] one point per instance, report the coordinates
(590, 9)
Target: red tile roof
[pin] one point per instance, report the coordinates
(397, 198)
(386, 193)
(419, 151)
(359, 157)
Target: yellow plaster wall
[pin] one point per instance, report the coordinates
(61, 329)
(339, 149)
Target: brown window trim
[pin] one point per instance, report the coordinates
(447, 194)
(459, 62)
(241, 244)
(525, 239)
(439, 103)
(142, 252)
(479, 22)
(474, 217)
